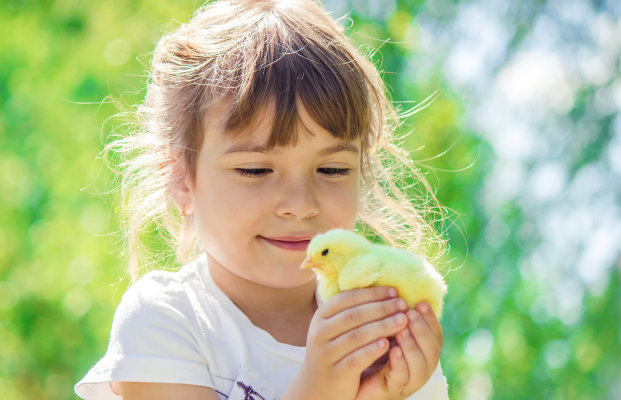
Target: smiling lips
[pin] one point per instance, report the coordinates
(289, 243)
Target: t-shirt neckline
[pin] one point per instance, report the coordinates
(262, 337)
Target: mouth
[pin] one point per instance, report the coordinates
(289, 242)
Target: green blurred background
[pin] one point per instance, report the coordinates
(523, 143)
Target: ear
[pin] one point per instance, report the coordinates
(179, 187)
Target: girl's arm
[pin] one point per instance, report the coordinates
(165, 391)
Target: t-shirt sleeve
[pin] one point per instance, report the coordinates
(154, 338)
(436, 387)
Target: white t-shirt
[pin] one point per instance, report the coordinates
(179, 327)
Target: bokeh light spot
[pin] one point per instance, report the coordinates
(117, 52)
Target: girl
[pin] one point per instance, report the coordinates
(262, 126)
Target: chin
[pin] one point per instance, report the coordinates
(294, 280)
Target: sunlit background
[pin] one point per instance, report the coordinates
(523, 143)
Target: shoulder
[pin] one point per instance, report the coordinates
(158, 290)
(158, 304)
(165, 283)
(178, 328)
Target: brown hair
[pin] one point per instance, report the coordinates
(252, 53)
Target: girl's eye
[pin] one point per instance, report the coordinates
(253, 171)
(334, 171)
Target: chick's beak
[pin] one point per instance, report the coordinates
(308, 263)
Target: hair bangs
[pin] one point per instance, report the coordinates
(287, 66)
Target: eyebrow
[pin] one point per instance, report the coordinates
(253, 148)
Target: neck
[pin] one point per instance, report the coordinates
(285, 313)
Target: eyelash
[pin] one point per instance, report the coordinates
(334, 171)
(252, 171)
(256, 172)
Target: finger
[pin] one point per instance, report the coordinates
(432, 321)
(354, 297)
(414, 358)
(359, 337)
(395, 375)
(362, 314)
(425, 340)
(360, 359)
(324, 332)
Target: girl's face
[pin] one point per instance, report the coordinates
(256, 209)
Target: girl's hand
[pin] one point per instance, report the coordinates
(412, 362)
(346, 335)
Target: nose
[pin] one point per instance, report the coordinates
(298, 199)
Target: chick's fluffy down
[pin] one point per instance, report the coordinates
(344, 260)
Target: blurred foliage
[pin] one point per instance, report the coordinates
(68, 66)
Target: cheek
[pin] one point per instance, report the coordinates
(226, 207)
(341, 205)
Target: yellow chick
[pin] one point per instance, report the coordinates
(344, 260)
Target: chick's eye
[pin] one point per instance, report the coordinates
(325, 252)
(332, 171)
(253, 171)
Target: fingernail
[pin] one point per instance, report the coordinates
(423, 307)
(401, 305)
(392, 292)
(398, 353)
(399, 319)
(413, 316)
